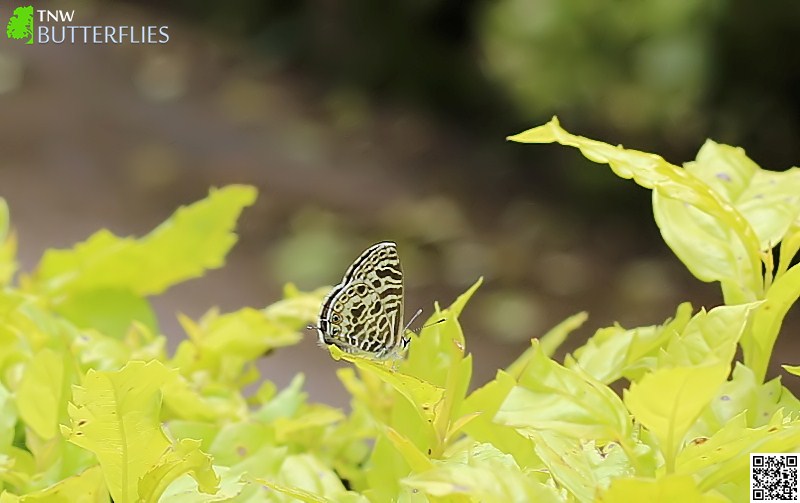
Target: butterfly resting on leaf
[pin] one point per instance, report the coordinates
(363, 315)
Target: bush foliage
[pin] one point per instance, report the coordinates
(92, 406)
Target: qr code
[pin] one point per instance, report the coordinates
(773, 477)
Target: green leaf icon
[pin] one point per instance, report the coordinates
(20, 25)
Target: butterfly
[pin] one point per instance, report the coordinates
(363, 314)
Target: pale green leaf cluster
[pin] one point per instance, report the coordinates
(92, 406)
(695, 422)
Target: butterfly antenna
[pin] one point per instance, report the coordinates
(416, 315)
(429, 325)
(418, 330)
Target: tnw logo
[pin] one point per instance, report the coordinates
(20, 25)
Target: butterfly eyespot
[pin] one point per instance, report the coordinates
(336, 318)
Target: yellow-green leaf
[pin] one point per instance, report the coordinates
(8, 246)
(305, 478)
(295, 493)
(724, 458)
(414, 457)
(709, 337)
(614, 352)
(706, 240)
(555, 337)
(758, 341)
(667, 489)
(565, 401)
(8, 418)
(195, 239)
(116, 416)
(186, 400)
(108, 310)
(743, 392)
(789, 248)
(314, 416)
(768, 200)
(482, 405)
(440, 346)
(423, 395)
(705, 231)
(792, 369)
(579, 465)
(182, 457)
(485, 474)
(225, 344)
(41, 397)
(86, 487)
(669, 400)
(231, 487)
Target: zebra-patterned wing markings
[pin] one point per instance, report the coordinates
(354, 319)
(364, 313)
(380, 267)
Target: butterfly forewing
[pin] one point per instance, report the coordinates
(364, 313)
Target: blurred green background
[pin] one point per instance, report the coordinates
(362, 121)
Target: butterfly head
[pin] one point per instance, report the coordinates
(328, 329)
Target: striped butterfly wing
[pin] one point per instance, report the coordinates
(379, 266)
(364, 313)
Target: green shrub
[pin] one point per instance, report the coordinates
(91, 405)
